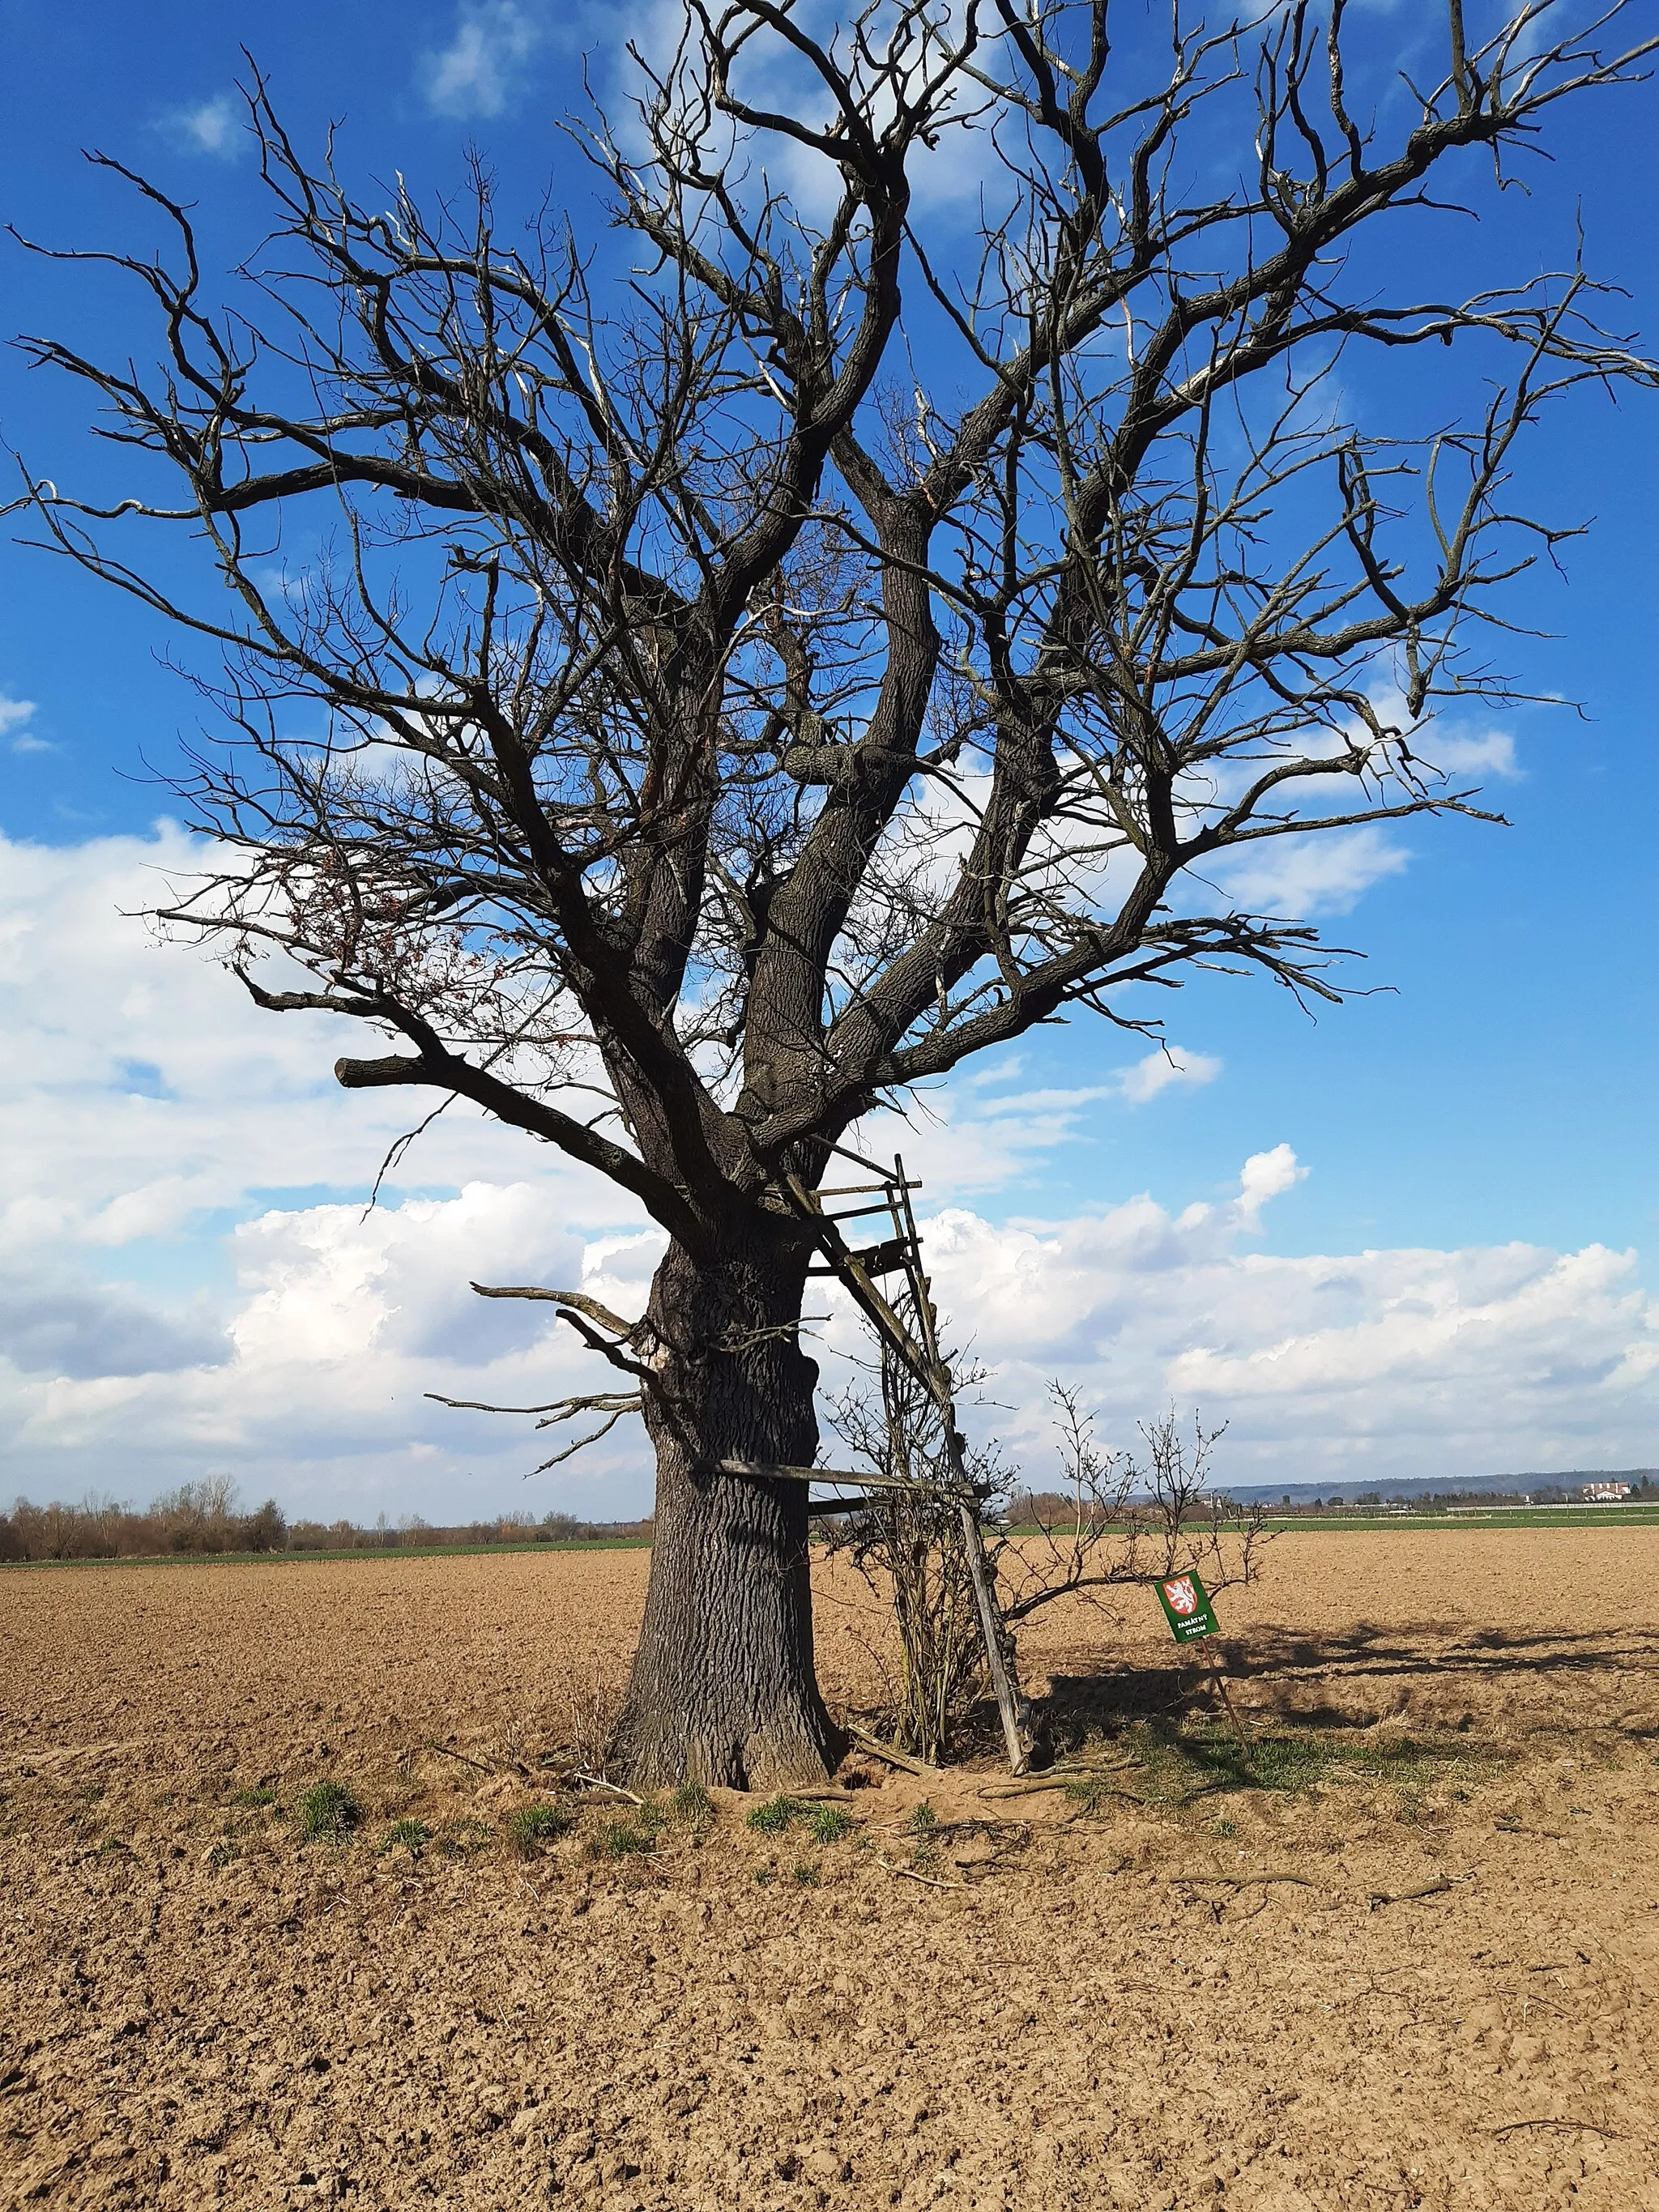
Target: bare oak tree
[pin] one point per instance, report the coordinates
(820, 625)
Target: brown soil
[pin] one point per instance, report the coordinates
(1030, 2003)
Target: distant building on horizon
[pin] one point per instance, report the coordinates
(1604, 1493)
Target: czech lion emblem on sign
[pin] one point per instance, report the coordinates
(1182, 1597)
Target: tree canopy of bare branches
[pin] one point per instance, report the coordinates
(816, 629)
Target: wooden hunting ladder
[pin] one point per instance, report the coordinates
(908, 1327)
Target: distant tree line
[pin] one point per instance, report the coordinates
(1569, 1492)
(1050, 1510)
(205, 1517)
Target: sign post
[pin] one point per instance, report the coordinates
(1188, 1609)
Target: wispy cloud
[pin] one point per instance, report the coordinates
(1492, 753)
(1309, 876)
(15, 715)
(1439, 742)
(473, 73)
(989, 1129)
(212, 127)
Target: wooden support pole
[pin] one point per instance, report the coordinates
(1218, 1684)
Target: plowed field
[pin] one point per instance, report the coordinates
(1416, 1962)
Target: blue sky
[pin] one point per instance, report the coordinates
(173, 1173)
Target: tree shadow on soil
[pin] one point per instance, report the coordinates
(1332, 1682)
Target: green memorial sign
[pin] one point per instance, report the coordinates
(1187, 1607)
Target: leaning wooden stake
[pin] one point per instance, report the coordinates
(1218, 1684)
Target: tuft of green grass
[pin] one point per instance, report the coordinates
(251, 1798)
(772, 1818)
(765, 1876)
(222, 1853)
(413, 1835)
(694, 1808)
(532, 1828)
(622, 1839)
(327, 1811)
(807, 1875)
(829, 1823)
(924, 1820)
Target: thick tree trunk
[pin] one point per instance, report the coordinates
(723, 1689)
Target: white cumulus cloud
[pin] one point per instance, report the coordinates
(1170, 1066)
(180, 1180)
(1326, 1368)
(189, 1284)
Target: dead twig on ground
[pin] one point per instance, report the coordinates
(1030, 1789)
(1587, 2127)
(910, 1873)
(1242, 1881)
(1204, 1789)
(1064, 1778)
(1434, 1888)
(877, 1749)
(428, 1743)
(598, 1782)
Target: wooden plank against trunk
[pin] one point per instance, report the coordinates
(883, 1259)
(766, 1470)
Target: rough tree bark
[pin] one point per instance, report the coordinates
(757, 667)
(723, 1687)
